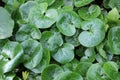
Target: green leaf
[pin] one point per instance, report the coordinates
(110, 69)
(82, 68)
(51, 40)
(93, 34)
(50, 2)
(101, 50)
(106, 4)
(67, 21)
(64, 54)
(50, 72)
(25, 9)
(40, 17)
(43, 63)
(113, 40)
(12, 55)
(10, 76)
(27, 31)
(2, 43)
(89, 55)
(33, 52)
(89, 12)
(12, 5)
(113, 15)
(68, 2)
(57, 4)
(71, 66)
(80, 3)
(94, 72)
(73, 39)
(6, 24)
(114, 4)
(69, 76)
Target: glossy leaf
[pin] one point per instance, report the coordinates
(25, 9)
(113, 40)
(27, 31)
(67, 22)
(82, 68)
(93, 34)
(43, 63)
(12, 55)
(114, 3)
(110, 69)
(51, 40)
(51, 72)
(40, 17)
(33, 52)
(64, 54)
(89, 12)
(94, 72)
(6, 24)
(80, 3)
(89, 55)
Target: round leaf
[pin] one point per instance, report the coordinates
(110, 68)
(25, 9)
(113, 39)
(67, 21)
(51, 40)
(87, 13)
(40, 17)
(33, 52)
(27, 31)
(50, 72)
(64, 54)
(12, 55)
(89, 55)
(82, 68)
(94, 33)
(6, 24)
(69, 76)
(94, 72)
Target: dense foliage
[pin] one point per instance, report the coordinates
(59, 40)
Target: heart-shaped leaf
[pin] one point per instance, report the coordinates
(94, 32)
(25, 9)
(89, 12)
(40, 17)
(11, 56)
(67, 21)
(51, 71)
(64, 54)
(94, 72)
(82, 68)
(51, 40)
(27, 31)
(33, 52)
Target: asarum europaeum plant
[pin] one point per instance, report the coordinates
(59, 40)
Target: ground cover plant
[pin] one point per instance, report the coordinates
(59, 40)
